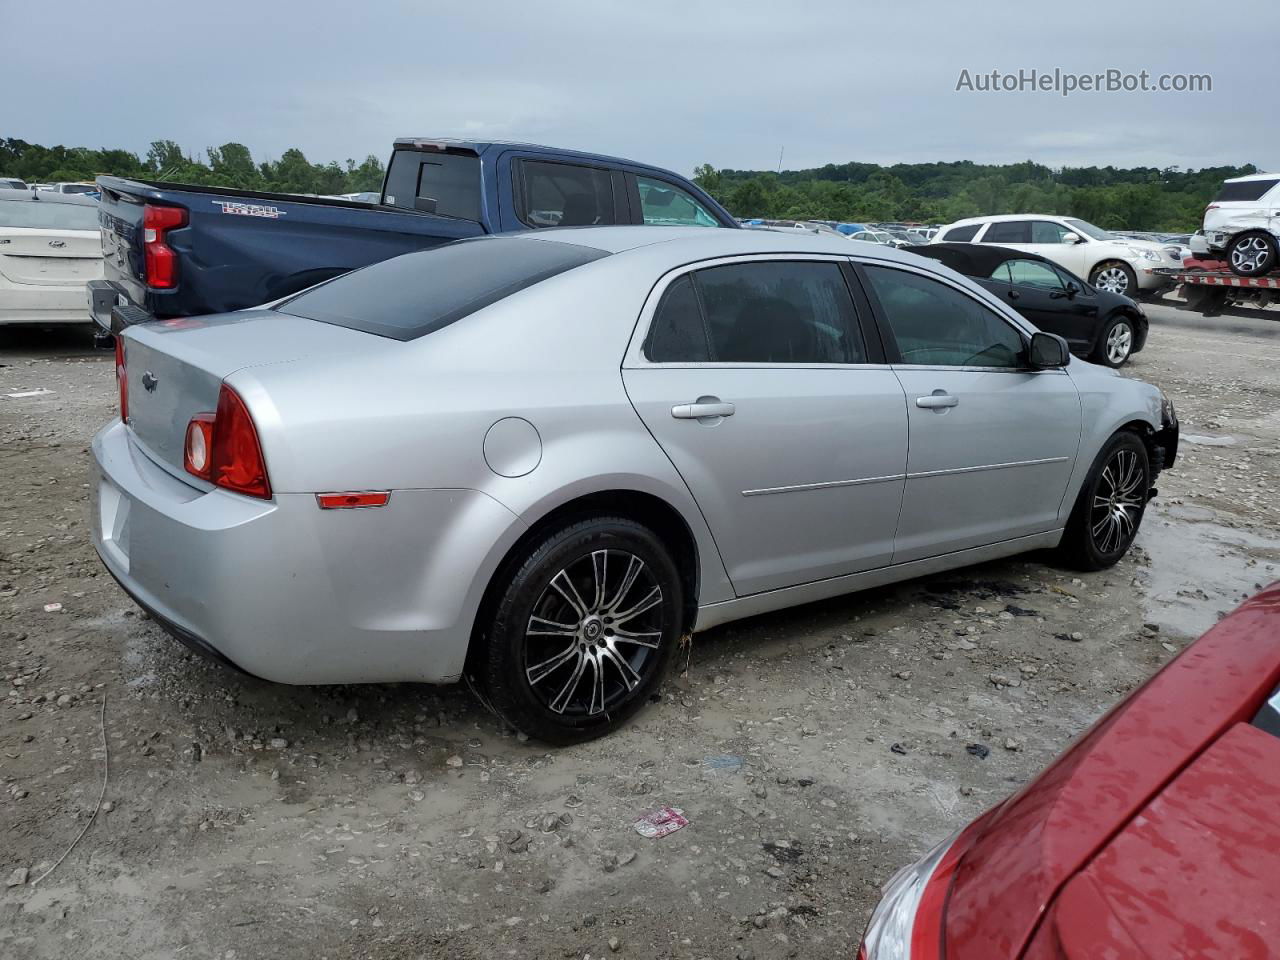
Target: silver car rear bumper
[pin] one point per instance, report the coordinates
(291, 593)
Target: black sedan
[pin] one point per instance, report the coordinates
(1103, 327)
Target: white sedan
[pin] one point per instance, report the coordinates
(50, 247)
(1127, 267)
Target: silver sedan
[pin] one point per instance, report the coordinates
(542, 460)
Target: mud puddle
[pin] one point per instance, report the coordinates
(1199, 569)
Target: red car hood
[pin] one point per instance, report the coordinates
(1194, 874)
(1027, 850)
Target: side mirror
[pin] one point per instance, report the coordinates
(1073, 238)
(1048, 351)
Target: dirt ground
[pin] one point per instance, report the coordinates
(813, 751)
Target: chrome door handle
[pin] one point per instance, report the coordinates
(937, 401)
(701, 409)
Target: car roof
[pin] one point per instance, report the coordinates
(973, 259)
(1252, 176)
(479, 147)
(686, 244)
(1002, 217)
(48, 196)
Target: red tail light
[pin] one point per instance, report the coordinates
(161, 261)
(122, 382)
(223, 448)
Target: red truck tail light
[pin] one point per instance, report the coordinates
(161, 262)
(122, 382)
(223, 448)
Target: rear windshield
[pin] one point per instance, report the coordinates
(1245, 190)
(48, 215)
(415, 294)
(447, 184)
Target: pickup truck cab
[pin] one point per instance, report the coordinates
(175, 250)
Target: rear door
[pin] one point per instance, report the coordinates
(992, 442)
(756, 377)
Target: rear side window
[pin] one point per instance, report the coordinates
(415, 294)
(1245, 190)
(447, 184)
(1008, 231)
(564, 194)
(962, 234)
(783, 312)
(48, 215)
(678, 334)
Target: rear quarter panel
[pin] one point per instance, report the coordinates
(416, 416)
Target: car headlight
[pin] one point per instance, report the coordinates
(893, 921)
(1144, 254)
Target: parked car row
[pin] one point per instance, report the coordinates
(1127, 267)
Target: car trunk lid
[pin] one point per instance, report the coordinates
(49, 257)
(174, 368)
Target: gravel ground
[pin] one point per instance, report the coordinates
(814, 751)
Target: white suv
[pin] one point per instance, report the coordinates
(1126, 267)
(1243, 221)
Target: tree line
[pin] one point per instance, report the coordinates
(1136, 198)
(230, 165)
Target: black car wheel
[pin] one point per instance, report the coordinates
(1252, 254)
(1109, 509)
(582, 631)
(1117, 342)
(1115, 276)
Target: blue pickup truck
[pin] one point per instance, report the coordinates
(173, 250)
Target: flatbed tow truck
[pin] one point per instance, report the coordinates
(1209, 285)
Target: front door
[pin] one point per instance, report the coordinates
(1041, 294)
(992, 443)
(755, 378)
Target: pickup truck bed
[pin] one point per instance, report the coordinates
(240, 249)
(175, 250)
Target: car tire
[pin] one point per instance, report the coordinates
(1116, 345)
(1115, 276)
(1110, 506)
(1252, 254)
(554, 662)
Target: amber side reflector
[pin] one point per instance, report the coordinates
(344, 501)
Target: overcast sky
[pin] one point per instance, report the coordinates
(676, 84)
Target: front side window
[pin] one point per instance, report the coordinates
(565, 194)
(1089, 230)
(937, 325)
(1046, 231)
(962, 234)
(783, 312)
(1032, 273)
(1008, 231)
(663, 204)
